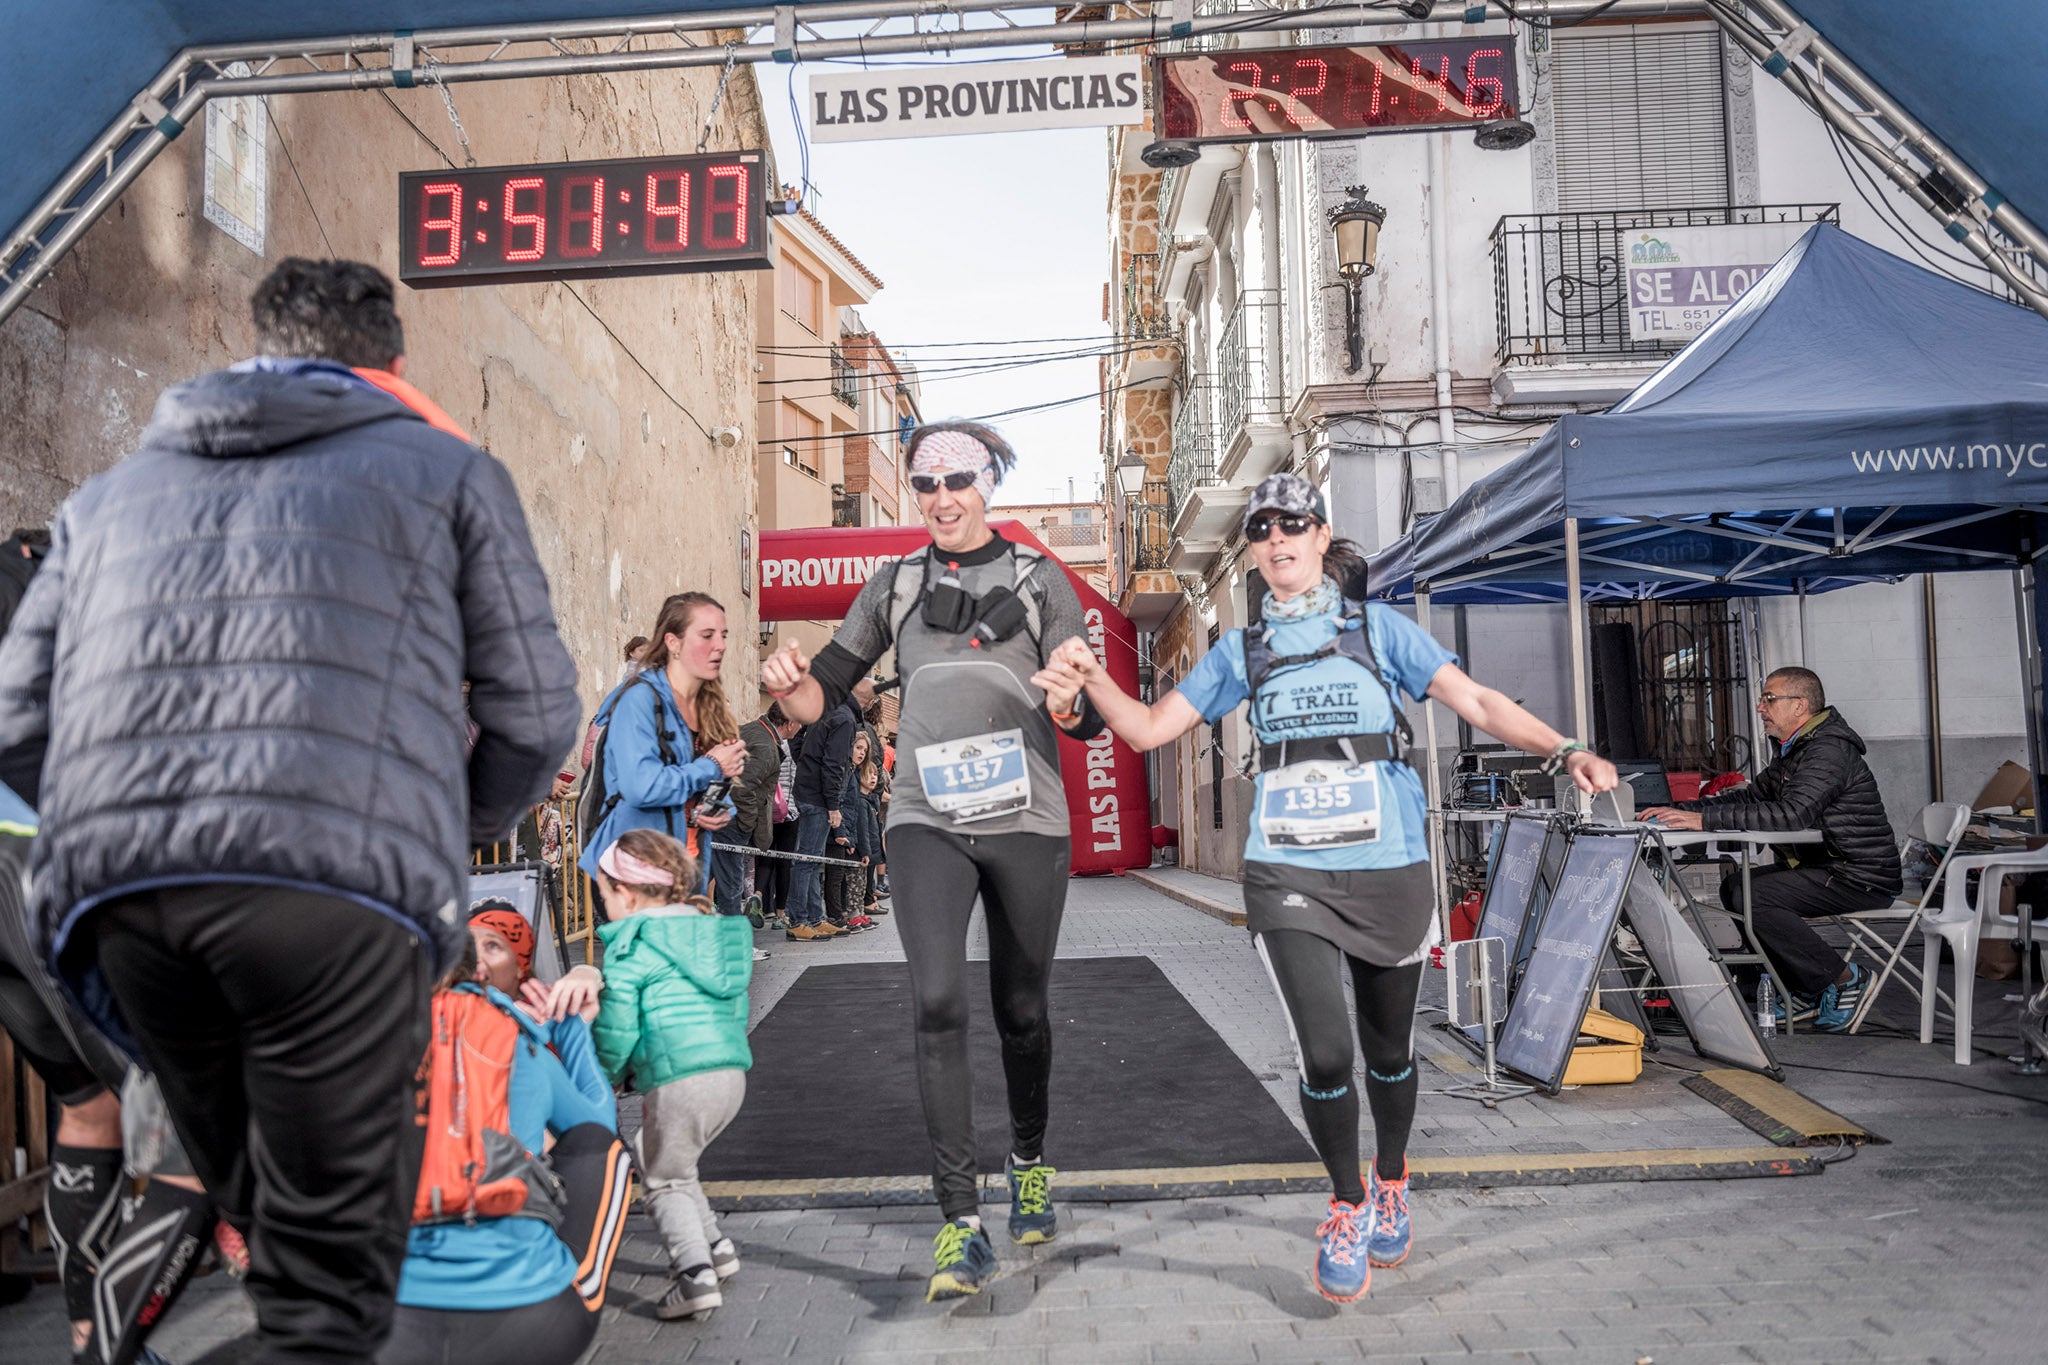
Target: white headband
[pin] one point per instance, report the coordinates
(955, 452)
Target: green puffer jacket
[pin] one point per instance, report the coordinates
(675, 995)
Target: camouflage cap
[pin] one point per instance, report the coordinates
(1286, 493)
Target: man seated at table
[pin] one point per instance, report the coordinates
(1817, 780)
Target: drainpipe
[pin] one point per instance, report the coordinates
(1933, 687)
(1440, 313)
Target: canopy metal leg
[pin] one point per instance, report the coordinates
(1582, 694)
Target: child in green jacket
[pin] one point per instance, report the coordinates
(674, 1017)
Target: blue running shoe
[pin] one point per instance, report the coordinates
(1391, 1235)
(1840, 1001)
(1031, 1215)
(1342, 1272)
(963, 1261)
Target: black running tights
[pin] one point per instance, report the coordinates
(1309, 973)
(1022, 882)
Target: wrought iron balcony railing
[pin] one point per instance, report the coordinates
(1248, 363)
(1558, 286)
(1149, 526)
(1145, 316)
(1193, 464)
(845, 379)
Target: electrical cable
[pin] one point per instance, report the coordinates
(1939, 261)
(285, 147)
(984, 417)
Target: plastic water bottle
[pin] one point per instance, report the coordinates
(1766, 1007)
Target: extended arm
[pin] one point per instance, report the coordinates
(1136, 724)
(1505, 719)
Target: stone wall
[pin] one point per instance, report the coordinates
(599, 397)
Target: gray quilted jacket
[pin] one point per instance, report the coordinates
(243, 661)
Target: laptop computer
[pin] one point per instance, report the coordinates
(1648, 782)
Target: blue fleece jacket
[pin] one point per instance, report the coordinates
(651, 793)
(511, 1262)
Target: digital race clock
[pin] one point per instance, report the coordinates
(643, 216)
(1254, 94)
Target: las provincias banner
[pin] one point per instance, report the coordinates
(814, 575)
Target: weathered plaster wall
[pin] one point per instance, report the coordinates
(597, 398)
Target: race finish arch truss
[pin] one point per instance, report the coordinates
(814, 575)
(92, 72)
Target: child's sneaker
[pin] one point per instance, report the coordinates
(692, 1294)
(962, 1261)
(1032, 1218)
(775, 921)
(858, 924)
(1391, 1235)
(1342, 1271)
(725, 1258)
(752, 906)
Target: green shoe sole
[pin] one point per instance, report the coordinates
(945, 1286)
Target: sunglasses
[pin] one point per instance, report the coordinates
(1261, 526)
(929, 483)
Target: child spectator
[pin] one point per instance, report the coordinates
(674, 1017)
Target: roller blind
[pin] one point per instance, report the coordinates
(1640, 119)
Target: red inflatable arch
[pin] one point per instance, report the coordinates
(814, 575)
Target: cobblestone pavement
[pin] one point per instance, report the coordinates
(1926, 1248)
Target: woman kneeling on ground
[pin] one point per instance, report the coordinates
(1336, 873)
(490, 1289)
(674, 1018)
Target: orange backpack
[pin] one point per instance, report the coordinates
(473, 1167)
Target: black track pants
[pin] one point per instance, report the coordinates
(1022, 882)
(285, 1028)
(1309, 974)
(552, 1332)
(1785, 898)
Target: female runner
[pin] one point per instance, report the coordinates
(978, 810)
(1337, 865)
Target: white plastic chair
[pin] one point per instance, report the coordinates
(1962, 924)
(1940, 823)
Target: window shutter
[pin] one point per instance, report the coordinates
(1640, 119)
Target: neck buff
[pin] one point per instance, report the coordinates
(623, 868)
(1320, 600)
(955, 452)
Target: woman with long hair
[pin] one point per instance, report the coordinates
(670, 733)
(1336, 876)
(979, 812)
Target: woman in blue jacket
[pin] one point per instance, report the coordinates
(670, 733)
(1336, 878)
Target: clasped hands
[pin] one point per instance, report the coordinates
(1070, 667)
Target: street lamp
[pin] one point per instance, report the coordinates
(1356, 224)
(1130, 475)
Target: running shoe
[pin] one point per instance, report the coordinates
(752, 906)
(778, 920)
(830, 928)
(858, 924)
(760, 954)
(1839, 1002)
(692, 1294)
(725, 1258)
(1391, 1235)
(1342, 1271)
(1032, 1218)
(962, 1261)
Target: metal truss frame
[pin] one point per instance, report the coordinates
(1972, 211)
(1982, 221)
(784, 33)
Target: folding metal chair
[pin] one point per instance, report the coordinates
(1940, 824)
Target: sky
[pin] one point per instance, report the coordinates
(990, 238)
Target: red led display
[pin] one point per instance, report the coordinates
(1256, 94)
(654, 215)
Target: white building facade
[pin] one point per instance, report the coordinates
(1496, 305)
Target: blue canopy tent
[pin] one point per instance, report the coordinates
(1852, 418)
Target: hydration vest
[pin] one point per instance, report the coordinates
(905, 597)
(1354, 642)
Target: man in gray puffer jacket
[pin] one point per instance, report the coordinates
(235, 694)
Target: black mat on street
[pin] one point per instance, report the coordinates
(1139, 1079)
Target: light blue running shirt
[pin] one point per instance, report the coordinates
(1332, 696)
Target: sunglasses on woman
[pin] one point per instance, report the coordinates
(1261, 526)
(929, 483)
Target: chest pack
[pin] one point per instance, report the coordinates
(600, 793)
(996, 614)
(1353, 641)
(472, 1166)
